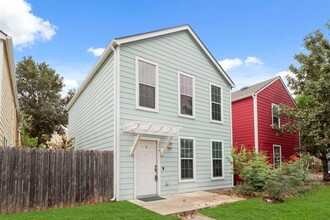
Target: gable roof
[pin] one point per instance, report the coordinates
(251, 90)
(256, 88)
(8, 43)
(142, 36)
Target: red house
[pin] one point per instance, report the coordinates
(254, 110)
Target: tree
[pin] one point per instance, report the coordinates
(311, 82)
(43, 109)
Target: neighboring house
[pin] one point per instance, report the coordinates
(254, 110)
(161, 102)
(9, 109)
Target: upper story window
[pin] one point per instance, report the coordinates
(276, 115)
(186, 95)
(216, 103)
(147, 85)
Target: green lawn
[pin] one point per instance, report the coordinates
(311, 205)
(115, 210)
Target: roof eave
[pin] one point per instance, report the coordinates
(11, 63)
(91, 74)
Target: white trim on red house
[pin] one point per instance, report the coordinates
(255, 123)
(283, 86)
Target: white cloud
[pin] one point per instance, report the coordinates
(18, 21)
(253, 61)
(230, 63)
(69, 84)
(95, 51)
(284, 74)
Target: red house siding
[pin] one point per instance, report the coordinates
(243, 127)
(277, 94)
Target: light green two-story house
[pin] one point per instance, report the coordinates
(161, 103)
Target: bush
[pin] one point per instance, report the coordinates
(259, 176)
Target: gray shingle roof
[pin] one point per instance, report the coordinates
(250, 90)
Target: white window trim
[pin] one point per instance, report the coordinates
(276, 145)
(193, 116)
(223, 161)
(211, 120)
(137, 88)
(179, 160)
(279, 120)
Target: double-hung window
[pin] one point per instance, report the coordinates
(187, 159)
(186, 95)
(147, 83)
(217, 159)
(216, 103)
(276, 115)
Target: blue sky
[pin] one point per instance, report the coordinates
(254, 40)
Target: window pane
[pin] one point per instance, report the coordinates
(187, 170)
(216, 94)
(216, 150)
(186, 85)
(275, 120)
(216, 111)
(277, 157)
(186, 105)
(187, 148)
(146, 96)
(217, 168)
(147, 73)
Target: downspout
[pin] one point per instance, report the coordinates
(255, 122)
(114, 124)
(116, 54)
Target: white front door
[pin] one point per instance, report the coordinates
(146, 168)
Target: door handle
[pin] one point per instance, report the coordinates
(156, 178)
(156, 168)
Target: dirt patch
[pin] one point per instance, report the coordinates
(231, 192)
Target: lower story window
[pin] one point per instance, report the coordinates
(187, 158)
(217, 159)
(277, 154)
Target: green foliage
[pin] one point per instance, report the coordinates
(311, 83)
(259, 176)
(28, 141)
(41, 104)
(290, 179)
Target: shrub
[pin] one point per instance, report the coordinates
(259, 176)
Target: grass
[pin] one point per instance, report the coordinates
(115, 210)
(311, 205)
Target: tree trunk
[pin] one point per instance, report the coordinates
(326, 176)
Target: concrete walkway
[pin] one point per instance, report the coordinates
(186, 202)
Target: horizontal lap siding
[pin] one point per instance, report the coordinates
(91, 116)
(173, 53)
(243, 123)
(276, 94)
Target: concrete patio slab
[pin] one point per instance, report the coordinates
(186, 202)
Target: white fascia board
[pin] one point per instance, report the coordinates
(173, 30)
(243, 97)
(91, 74)
(286, 88)
(10, 54)
(266, 86)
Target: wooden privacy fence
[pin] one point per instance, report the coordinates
(38, 179)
